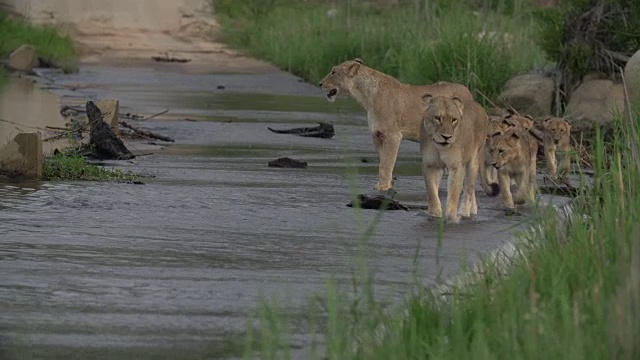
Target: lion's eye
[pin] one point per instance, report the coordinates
(454, 121)
(438, 119)
(501, 151)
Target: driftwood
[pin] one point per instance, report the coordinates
(378, 202)
(323, 130)
(286, 162)
(105, 144)
(145, 133)
(166, 58)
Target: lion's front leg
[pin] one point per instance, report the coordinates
(550, 155)
(454, 189)
(505, 189)
(468, 204)
(432, 176)
(565, 163)
(386, 146)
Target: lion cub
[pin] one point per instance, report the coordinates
(452, 137)
(557, 138)
(394, 109)
(497, 126)
(513, 154)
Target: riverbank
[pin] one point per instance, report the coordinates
(449, 41)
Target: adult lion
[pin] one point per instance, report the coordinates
(453, 136)
(394, 109)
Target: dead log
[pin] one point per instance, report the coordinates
(285, 162)
(323, 130)
(145, 133)
(102, 140)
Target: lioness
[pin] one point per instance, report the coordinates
(557, 138)
(394, 109)
(513, 154)
(452, 136)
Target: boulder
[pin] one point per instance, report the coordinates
(22, 157)
(595, 102)
(632, 78)
(530, 94)
(24, 58)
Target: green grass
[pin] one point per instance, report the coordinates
(50, 43)
(444, 45)
(572, 291)
(72, 167)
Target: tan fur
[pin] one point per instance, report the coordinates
(498, 126)
(557, 139)
(452, 137)
(394, 109)
(513, 154)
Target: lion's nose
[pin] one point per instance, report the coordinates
(447, 137)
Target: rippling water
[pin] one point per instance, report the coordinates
(171, 268)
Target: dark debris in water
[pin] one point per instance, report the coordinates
(378, 202)
(323, 131)
(286, 162)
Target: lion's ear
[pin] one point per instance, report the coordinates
(426, 98)
(353, 69)
(568, 122)
(545, 122)
(459, 104)
(528, 117)
(359, 61)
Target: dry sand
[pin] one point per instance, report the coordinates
(132, 31)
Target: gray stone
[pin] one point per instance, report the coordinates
(24, 58)
(22, 157)
(111, 113)
(595, 102)
(529, 94)
(632, 79)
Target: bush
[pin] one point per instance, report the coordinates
(589, 35)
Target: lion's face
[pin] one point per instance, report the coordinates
(442, 118)
(340, 78)
(504, 148)
(557, 129)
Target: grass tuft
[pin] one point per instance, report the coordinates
(50, 43)
(445, 43)
(73, 167)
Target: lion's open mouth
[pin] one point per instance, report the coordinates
(443, 143)
(332, 93)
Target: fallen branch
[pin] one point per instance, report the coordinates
(145, 133)
(154, 115)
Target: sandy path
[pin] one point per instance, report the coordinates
(132, 31)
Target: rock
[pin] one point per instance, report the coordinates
(286, 162)
(530, 94)
(325, 131)
(110, 110)
(378, 202)
(594, 103)
(104, 142)
(22, 157)
(632, 79)
(24, 58)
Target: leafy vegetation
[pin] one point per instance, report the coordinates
(583, 36)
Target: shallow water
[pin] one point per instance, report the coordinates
(171, 268)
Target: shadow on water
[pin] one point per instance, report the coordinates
(171, 268)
